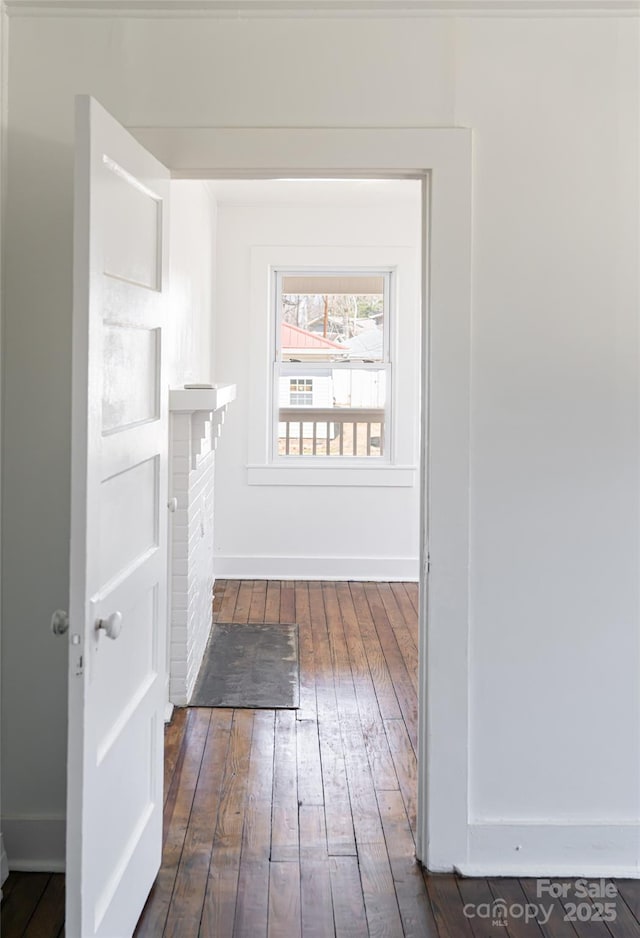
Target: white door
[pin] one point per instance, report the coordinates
(118, 529)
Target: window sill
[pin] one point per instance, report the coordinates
(342, 475)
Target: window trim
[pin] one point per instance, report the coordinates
(403, 447)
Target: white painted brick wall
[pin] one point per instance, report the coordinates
(192, 572)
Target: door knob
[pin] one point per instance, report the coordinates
(60, 622)
(112, 625)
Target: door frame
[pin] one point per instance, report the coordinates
(442, 159)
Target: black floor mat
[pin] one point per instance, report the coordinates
(253, 666)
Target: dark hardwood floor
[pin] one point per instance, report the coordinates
(300, 824)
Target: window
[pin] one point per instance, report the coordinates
(301, 392)
(332, 369)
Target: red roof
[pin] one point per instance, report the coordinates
(294, 337)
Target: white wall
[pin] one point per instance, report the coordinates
(554, 463)
(329, 530)
(192, 218)
(554, 597)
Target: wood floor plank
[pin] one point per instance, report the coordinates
(323, 668)
(360, 670)
(284, 900)
(225, 609)
(285, 834)
(48, 917)
(256, 831)
(415, 910)
(217, 597)
(191, 879)
(364, 806)
(405, 764)
(629, 889)
(315, 874)
(407, 608)
(21, 902)
(258, 601)
(242, 607)
(378, 753)
(309, 768)
(219, 911)
(477, 894)
(272, 604)
(557, 926)
(385, 692)
(252, 902)
(404, 684)
(348, 900)
(447, 906)
(339, 820)
(308, 708)
(287, 601)
(406, 640)
(383, 770)
(316, 898)
(587, 929)
(380, 900)
(173, 738)
(513, 895)
(176, 820)
(337, 804)
(219, 908)
(313, 832)
(413, 592)
(346, 702)
(625, 924)
(8, 884)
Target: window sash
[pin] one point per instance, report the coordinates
(290, 370)
(384, 273)
(320, 368)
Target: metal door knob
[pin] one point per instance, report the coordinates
(60, 622)
(112, 625)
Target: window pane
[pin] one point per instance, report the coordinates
(332, 318)
(334, 412)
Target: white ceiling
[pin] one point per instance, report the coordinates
(314, 190)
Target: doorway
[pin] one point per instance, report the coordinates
(441, 158)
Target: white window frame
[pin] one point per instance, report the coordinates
(312, 369)
(401, 469)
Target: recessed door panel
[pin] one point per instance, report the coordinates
(128, 519)
(132, 207)
(134, 658)
(131, 366)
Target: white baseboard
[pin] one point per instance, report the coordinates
(376, 569)
(4, 862)
(548, 849)
(35, 843)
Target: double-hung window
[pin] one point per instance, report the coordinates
(332, 365)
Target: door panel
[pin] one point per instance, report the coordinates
(118, 615)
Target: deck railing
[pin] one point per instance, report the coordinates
(331, 431)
